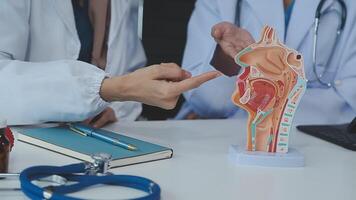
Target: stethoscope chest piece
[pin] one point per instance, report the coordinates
(100, 164)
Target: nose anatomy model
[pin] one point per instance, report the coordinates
(269, 89)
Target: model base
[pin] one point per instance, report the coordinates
(240, 156)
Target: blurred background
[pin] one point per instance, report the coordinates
(164, 36)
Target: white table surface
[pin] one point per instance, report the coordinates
(200, 168)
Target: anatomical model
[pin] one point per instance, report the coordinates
(269, 89)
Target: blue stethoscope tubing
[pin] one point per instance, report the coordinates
(70, 173)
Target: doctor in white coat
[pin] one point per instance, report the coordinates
(320, 104)
(42, 80)
(45, 31)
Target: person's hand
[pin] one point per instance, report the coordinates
(231, 38)
(105, 117)
(156, 85)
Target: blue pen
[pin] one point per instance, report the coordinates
(90, 132)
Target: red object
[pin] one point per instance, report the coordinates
(9, 136)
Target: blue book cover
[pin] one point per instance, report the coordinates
(64, 141)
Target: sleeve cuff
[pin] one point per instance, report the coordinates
(94, 91)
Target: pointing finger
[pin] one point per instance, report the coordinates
(196, 81)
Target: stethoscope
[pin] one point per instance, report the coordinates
(318, 15)
(75, 177)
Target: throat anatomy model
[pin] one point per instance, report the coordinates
(269, 89)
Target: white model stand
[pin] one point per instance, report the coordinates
(240, 156)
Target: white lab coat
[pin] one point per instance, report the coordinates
(320, 105)
(40, 78)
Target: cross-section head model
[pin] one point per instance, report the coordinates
(269, 89)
